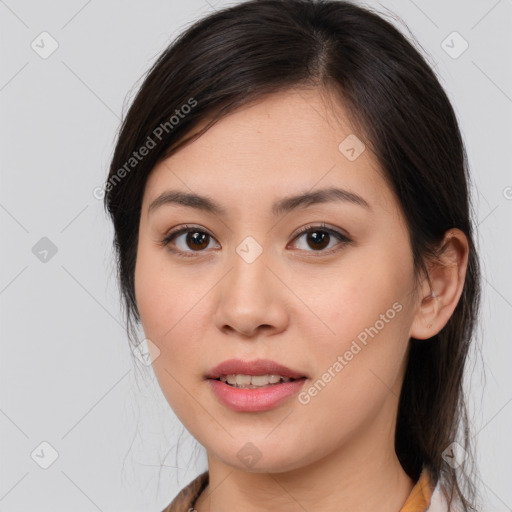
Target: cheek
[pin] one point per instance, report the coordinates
(359, 332)
(360, 293)
(161, 304)
(171, 307)
(161, 291)
(358, 369)
(168, 321)
(152, 295)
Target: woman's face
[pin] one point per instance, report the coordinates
(243, 284)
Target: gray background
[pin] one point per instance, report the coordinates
(67, 377)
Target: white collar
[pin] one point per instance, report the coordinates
(438, 502)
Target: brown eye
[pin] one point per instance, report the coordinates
(188, 240)
(318, 238)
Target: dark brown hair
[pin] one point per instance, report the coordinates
(258, 47)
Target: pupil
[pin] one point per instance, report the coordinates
(319, 237)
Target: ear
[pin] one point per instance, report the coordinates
(442, 288)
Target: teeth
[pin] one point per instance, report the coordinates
(253, 381)
(243, 380)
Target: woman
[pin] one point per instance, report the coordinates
(289, 192)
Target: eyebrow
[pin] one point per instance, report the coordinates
(280, 207)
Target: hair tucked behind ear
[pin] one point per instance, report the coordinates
(240, 54)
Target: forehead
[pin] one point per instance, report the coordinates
(288, 142)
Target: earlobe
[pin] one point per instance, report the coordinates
(440, 293)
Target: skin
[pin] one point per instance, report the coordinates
(292, 304)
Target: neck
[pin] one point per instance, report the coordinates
(349, 480)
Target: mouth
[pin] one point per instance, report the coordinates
(253, 374)
(254, 386)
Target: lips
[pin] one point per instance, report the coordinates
(256, 367)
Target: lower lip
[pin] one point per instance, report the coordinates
(255, 400)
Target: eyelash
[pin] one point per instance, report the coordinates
(344, 240)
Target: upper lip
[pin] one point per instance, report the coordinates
(256, 367)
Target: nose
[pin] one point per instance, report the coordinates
(251, 299)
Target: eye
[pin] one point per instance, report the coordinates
(320, 237)
(188, 240)
(196, 239)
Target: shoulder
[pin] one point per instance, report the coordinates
(185, 499)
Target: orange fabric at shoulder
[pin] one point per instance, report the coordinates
(420, 496)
